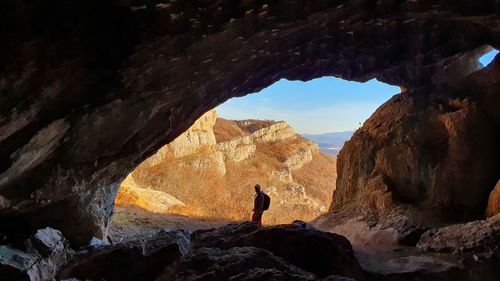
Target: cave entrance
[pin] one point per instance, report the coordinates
(488, 57)
(285, 138)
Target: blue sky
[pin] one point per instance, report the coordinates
(487, 58)
(327, 104)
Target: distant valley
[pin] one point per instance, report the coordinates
(330, 143)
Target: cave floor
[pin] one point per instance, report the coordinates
(403, 259)
(133, 222)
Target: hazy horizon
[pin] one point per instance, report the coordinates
(322, 105)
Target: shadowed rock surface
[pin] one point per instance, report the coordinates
(90, 90)
(172, 256)
(238, 263)
(39, 259)
(141, 259)
(478, 237)
(424, 158)
(318, 252)
(245, 251)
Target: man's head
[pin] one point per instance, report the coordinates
(257, 188)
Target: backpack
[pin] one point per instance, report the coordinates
(267, 201)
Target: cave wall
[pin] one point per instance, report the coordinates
(90, 88)
(430, 154)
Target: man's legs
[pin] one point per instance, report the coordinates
(257, 218)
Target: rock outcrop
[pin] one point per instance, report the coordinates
(238, 263)
(302, 156)
(296, 243)
(41, 258)
(198, 141)
(272, 132)
(242, 251)
(199, 135)
(91, 89)
(246, 251)
(475, 245)
(142, 259)
(481, 236)
(237, 149)
(151, 200)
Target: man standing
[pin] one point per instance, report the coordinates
(259, 205)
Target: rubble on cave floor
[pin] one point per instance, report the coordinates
(245, 251)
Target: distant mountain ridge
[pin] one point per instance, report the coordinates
(330, 143)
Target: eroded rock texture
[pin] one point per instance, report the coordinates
(318, 252)
(428, 156)
(39, 259)
(90, 89)
(170, 255)
(141, 259)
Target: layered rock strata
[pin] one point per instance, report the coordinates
(237, 149)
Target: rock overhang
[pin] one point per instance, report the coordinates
(128, 80)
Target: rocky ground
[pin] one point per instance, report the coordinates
(133, 222)
(245, 251)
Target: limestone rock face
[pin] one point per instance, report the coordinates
(302, 156)
(195, 148)
(200, 134)
(237, 149)
(493, 207)
(148, 199)
(293, 196)
(91, 89)
(275, 132)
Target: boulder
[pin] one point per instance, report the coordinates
(318, 252)
(237, 263)
(40, 259)
(477, 236)
(148, 199)
(141, 259)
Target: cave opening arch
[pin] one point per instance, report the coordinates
(84, 118)
(208, 172)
